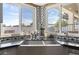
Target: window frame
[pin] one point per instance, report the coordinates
(33, 15)
(57, 6)
(3, 31)
(20, 6)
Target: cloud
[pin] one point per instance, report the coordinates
(12, 21)
(27, 21)
(53, 15)
(14, 14)
(53, 20)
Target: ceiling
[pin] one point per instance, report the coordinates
(40, 4)
(72, 7)
(69, 6)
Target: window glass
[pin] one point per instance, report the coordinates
(64, 22)
(70, 18)
(27, 20)
(53, 19)
(10, 24)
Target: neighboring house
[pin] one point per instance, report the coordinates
(10, 31)
(16, 30)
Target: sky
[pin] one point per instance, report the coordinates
(11, 15)
(53, 15)
(27, 14)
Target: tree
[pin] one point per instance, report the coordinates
(63, 23)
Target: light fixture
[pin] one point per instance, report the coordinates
(70, 8)
(40, 4)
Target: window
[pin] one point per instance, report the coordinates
(65, 16)
(70, 18)
(27, 20)
(10, 20)
(76, 24)
(53, 20)
(64, 22)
